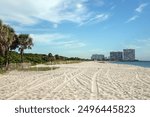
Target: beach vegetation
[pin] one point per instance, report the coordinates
(12, 43)
(38, 69)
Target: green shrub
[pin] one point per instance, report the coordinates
(2, 60)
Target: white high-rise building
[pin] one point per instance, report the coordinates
(129, 54)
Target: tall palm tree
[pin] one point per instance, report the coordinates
(25, 42)
(7, 37)
(1, 38)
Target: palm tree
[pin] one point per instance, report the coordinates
(51, 57)
(7, 37)
(1, 38)
(24, 42)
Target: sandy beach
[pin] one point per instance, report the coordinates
(80, 81)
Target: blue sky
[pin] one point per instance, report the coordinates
(81, 27)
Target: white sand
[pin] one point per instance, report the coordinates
(86, 80)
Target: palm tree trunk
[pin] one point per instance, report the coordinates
(7, 58)
(21, 54)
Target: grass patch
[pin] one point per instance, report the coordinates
(2, 71)
(63, 62)
(38, 69)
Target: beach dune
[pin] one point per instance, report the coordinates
(80, 81)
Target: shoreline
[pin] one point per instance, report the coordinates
(135, 63)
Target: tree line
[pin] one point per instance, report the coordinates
(10, 41)
(35, 58)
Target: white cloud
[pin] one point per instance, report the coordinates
(132, 18)
(29, 12)
(56, 39)
(71, 44)
(48, 38)
(100, 17)
(139, 10)
(141, 7)
(97, 18)
(79, 6)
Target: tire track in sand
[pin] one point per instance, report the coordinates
(60, 87)
(94, 87)
(140, 79)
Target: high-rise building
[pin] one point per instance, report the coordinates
(116, 56)
(98, 57)
(129, 54)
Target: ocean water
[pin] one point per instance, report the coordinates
(137, 63)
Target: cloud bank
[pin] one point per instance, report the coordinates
(29, 12)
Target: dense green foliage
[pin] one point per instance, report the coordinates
(37, 58)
